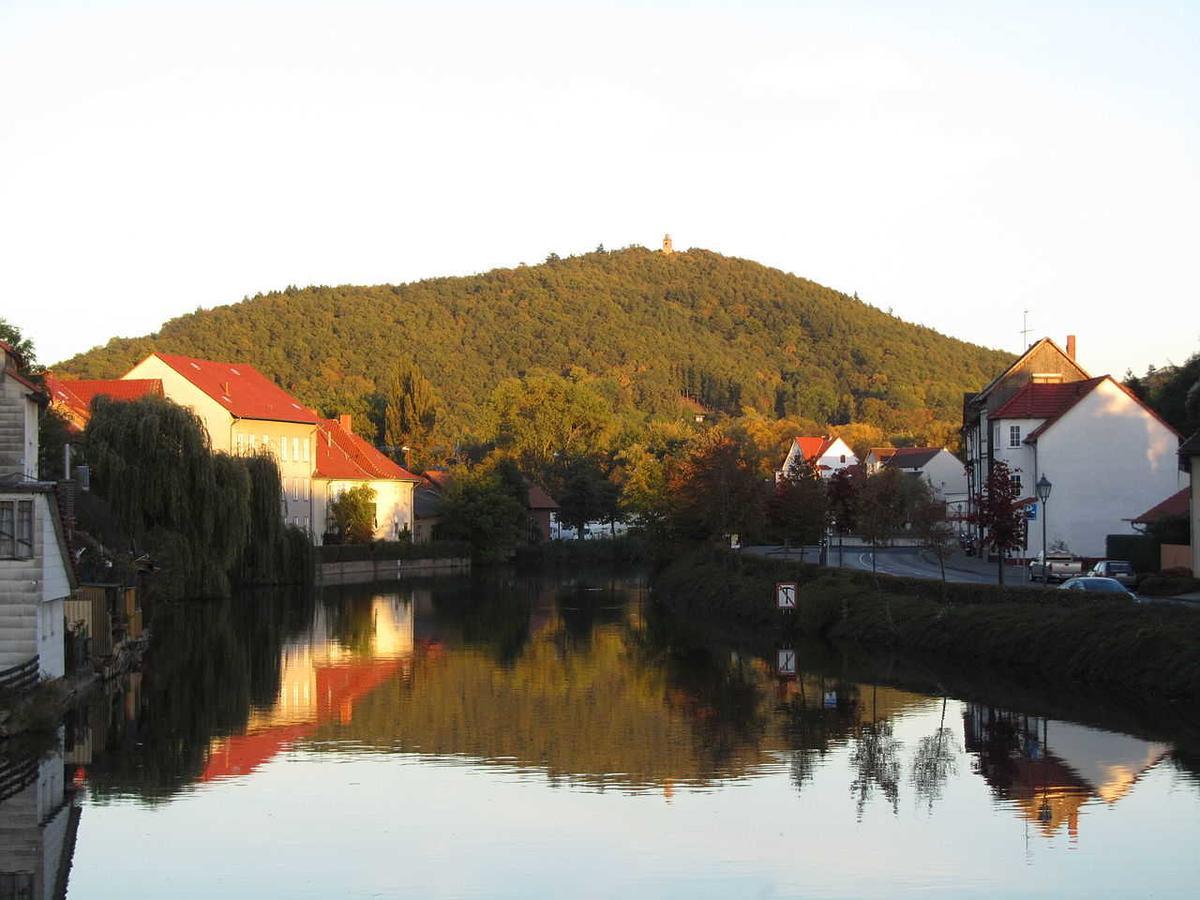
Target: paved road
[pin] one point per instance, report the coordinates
(906, 561)
(911, 563)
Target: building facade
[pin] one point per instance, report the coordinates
(828, 454)
(36, 576)
(244, 412)
(1103, 451)
(345, 461)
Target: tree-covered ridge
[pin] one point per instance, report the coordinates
(652, 330)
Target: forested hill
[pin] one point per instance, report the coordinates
(648, 328)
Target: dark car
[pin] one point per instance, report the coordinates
(1093, 584)
(1115, 568)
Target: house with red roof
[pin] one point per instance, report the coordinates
(1103, 450)
(1044, 362)
(344, 461)
(245, 412)
(73, 397)
(828, 454)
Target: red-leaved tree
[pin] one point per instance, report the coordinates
(1002, 520)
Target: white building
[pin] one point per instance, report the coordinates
(1103, 450)
(243, 411)
(36, 576)
(1043, 363)
(827, 454)
(345, 461)
(936, 466)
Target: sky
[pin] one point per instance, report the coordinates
(956, 163)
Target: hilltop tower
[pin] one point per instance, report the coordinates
(667, 248)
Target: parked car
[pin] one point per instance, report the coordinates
(1057, 567)
(1115, 568)
(1093, 584)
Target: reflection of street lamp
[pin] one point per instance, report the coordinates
(1043, 492)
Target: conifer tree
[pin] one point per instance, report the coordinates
(412, 409)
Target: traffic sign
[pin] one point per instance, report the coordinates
(785, 594)
(787, 661)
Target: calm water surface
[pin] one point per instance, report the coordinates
(517, 737)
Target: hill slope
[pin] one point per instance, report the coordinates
(726, 332)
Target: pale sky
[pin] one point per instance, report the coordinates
(956, 162)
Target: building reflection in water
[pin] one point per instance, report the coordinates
(39, 819)
(350, 650)
(1048, 770)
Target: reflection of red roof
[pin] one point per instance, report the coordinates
(338, 688)
(241, 389)
(343, 454)
(76, 396)
(1173, 507)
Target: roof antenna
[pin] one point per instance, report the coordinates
(1024, 331)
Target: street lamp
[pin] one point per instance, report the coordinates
(1043, 491)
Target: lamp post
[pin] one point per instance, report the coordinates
(1043, 491)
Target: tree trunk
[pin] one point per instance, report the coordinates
(1000, 566)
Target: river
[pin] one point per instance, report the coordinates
(519, 736)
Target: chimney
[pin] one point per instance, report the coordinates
(1071, 346)
(344, 418)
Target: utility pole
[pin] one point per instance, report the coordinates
(1024, 330)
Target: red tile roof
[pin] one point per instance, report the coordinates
(76, 395)
(539, 499)
(239, 387)
(1052, 401)
(1173, 507)
(814, 447)
(1039, 400)
(343, 454)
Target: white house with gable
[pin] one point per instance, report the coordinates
(1102, 449)
(828, 454)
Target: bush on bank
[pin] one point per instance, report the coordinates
(1111, 643)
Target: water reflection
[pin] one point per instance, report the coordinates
(1048, 771)
(570, 685)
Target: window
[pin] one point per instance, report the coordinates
(843, 457)
(1016, 483)
(283, 454)
(16, 529)
(267, 442)
(306, 449)
(241, 445)
(1014, 435)
(296, 448)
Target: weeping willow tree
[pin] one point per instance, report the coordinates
(272, 552)
(203, 517)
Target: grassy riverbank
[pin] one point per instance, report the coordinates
(1127, 648)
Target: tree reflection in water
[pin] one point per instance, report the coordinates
(875, 759)
(934, 762)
